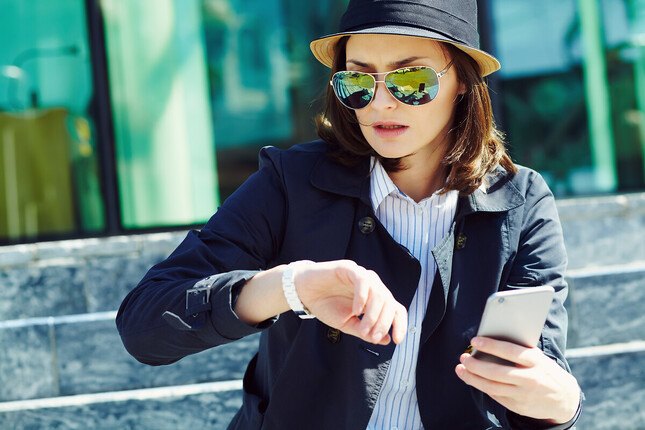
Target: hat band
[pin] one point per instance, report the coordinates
(361, 15)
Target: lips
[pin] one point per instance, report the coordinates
(389, 128)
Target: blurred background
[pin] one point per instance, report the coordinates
(119, 116)
(125, 123)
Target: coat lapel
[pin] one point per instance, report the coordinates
(350, 181)
(499, 195)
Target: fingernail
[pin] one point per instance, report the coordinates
(476, 341)
(378, 335)
(462, 357)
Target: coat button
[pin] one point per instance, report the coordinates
(461, 241)
(333, 335)
(366, 225)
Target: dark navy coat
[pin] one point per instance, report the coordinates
(302, 205)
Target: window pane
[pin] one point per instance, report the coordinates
(568, 91)
(264, 81)
(49, 181)
(162, 116)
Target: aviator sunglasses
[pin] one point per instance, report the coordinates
(415, 86)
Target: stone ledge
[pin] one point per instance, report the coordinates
(199, 411)
(84, 354)
(584, 208)
(80, 249)
(614, 387)
(606, 306)
(16, 255)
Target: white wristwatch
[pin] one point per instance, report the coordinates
(290, 293)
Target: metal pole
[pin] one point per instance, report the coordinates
(597, 95)
(637, 13)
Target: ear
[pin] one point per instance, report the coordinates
(462, 88)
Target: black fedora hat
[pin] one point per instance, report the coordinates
(450, 21)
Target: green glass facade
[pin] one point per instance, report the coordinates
(570, 88)
(48, 159)
(161, 112)
(173, 98)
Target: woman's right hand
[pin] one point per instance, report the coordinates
(352, 299)
(339, 293)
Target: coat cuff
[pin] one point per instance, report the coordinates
(227, 287)
(521, 422)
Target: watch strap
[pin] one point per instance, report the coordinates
(290, 293)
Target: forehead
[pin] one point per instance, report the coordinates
(380, 49)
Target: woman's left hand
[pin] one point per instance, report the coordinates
(536, 387)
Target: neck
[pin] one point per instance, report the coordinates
(423, 174)
(419, 183)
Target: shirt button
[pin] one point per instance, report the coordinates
(404, 383)
(413, 329)
(420, 210)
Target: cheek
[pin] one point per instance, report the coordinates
(439, 112)
(360, 115)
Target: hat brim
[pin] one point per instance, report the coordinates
(323, 47)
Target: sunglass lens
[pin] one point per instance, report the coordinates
(354, 90)
(413, 85)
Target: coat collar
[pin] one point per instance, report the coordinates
(498, 194)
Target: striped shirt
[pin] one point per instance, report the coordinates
(419, 227)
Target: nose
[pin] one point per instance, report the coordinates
(382, 97)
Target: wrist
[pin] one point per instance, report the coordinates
(291, 293)
(569, 412)
(261, 297)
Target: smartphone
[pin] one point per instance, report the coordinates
(515, 316)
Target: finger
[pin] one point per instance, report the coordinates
(492, 388)
(352, 327)
(373, 309)
(382, 327)
(492, 371)
(400, 324)
(518, 354)
(351, 273)
(361, 295)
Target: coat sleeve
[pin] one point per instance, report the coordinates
(541, 260)
(158, 322)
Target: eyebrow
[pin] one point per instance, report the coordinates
(399, 63)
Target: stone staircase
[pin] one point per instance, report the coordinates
(62, 365)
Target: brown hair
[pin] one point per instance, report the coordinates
(478, 146)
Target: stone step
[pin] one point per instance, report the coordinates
(606, 305)
(101, 284)
(68, 288)
(203, 406)
(612, 377)
(93, 275)
(83, 354)
(78, 354)
(76, 276)
(601, 231)
(613, 380)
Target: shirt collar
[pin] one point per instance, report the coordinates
(498, 193)
(381, 184)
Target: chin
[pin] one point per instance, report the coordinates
(392, 155)
(390, 152)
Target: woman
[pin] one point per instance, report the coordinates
(385, 239)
